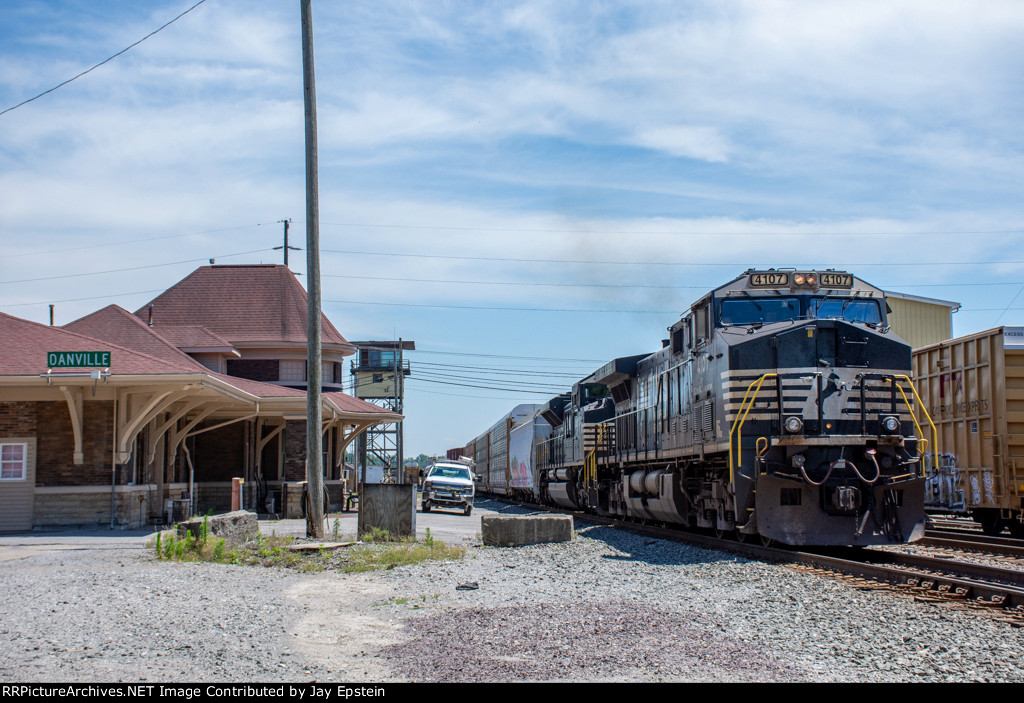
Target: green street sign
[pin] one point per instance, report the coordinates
(58, 360)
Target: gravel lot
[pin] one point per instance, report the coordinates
(609, 606)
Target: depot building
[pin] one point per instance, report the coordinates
(127, 419)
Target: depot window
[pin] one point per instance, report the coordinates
(13, 461)
(293, 371)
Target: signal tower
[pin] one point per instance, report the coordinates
(378, 377)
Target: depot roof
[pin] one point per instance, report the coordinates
(241, 304)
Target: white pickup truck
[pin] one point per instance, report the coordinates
(448, 486)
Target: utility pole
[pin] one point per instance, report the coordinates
(286, 247)
(399, 397)
(314, 433)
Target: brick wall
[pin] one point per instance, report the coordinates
(17, 419)
(268, 459)
(219, 454)
(54, 465)
(213, 498)
(295, 450)
(254, 369)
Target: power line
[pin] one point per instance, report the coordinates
(706, 233)
(1000, 310)
(492, 388)
(463, 395)
(469, 377)
(496, 369)
(743, 265)
(513, 283)
(77, 300)
(135, 268)
(130, 241)
(505, 356)
(504, 309)
(89, 70)
(630, 285)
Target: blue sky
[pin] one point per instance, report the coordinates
(476, 158)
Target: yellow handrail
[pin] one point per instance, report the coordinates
(761, 446)
(913, 416)
(741, 417)
(755, 386)
(590, 461)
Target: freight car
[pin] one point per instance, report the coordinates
(973, 387)
(503, 467)
(780, 406)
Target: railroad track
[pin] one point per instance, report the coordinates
(977, 543)
(957, 524)
(941, 578)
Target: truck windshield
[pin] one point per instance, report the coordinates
(847, 309)
(749, 311)
(449, 472)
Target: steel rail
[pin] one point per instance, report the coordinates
(1007, 546)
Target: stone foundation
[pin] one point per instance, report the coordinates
(84, 506)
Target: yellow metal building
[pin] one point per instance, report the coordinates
(921, 321)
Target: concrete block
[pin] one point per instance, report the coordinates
(512, 531)
(234, 528)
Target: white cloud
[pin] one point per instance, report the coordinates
(704, 143)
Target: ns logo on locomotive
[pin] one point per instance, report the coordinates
(780, 406)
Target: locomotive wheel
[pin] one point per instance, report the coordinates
(767, 541)
(742, 537)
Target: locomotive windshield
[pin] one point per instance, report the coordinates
(751, 311)
(755, 310)
(847, 309)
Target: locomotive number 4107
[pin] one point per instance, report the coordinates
(835, 280)
(769, 279)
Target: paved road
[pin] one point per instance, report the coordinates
(452, 527)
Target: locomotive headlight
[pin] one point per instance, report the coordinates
(811, 279)
(799, 279)
(890, 424)
(794, 424)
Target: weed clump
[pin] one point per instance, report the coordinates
(381, 551)
(377, 550)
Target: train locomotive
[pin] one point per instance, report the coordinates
(780, 407)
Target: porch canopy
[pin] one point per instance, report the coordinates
(161, 388)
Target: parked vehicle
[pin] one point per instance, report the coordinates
(448, 485)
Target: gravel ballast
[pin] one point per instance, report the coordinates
(608, 606)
